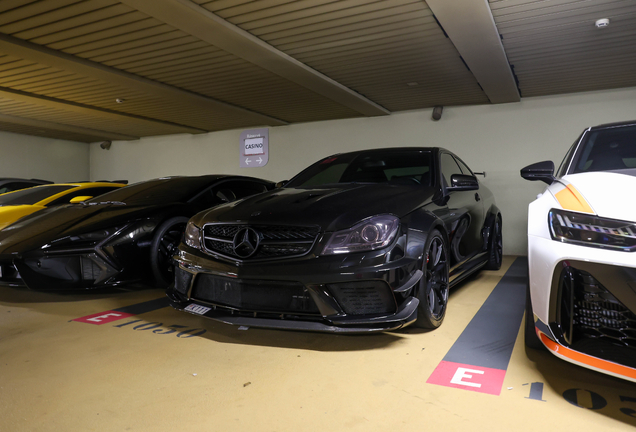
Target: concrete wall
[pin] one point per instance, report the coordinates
(27, 156)
(500, 139)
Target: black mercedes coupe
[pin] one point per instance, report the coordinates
(125, 236)
(358, 242)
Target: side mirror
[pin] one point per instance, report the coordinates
(462, 182)
(280, 184)
(79, 199)
(543, 171)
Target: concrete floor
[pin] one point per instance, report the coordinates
(57, 374)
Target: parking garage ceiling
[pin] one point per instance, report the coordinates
(92, 70)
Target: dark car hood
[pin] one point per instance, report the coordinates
(332, 208)
(38, 229)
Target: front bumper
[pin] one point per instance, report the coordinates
(584, 301)
(67, 270)
(356, 293)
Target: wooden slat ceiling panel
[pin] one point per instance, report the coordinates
(82, 55)
(45, 132)
(317, 32)
(159, 52)
(84, 22)
(92, 121)
(556, 48)
(106, 33)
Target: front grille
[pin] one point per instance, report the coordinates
(263, 296)
(598, 314)
(364, 298)
(273, 241)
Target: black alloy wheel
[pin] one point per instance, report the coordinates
(495, 248)
(163, 247)
(433, 287)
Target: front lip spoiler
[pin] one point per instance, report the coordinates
(547, 338)
(586, 360)
(405, 315)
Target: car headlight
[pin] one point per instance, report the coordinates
(372, 233)
(590, 230)
(193, 235)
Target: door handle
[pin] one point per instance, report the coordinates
(477, 197)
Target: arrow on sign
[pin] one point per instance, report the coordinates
(247, 161)
(259, 160)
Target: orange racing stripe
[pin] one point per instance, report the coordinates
(571, 199)
(589, 360)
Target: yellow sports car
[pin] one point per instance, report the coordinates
(17, 204)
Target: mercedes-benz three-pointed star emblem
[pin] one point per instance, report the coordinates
(245, 242)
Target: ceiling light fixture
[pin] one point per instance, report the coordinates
(120, 100)
(602, 23)
(105, 145)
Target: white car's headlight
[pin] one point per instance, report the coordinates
(372, 233)
(590, 230)
(192, 235)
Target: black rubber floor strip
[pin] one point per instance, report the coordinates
(479, 358)
(145, 307)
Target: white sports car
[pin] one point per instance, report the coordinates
(582, 253)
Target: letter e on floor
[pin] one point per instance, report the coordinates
(103, 317)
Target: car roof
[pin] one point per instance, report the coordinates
(84, 185)
(613, 125)
(393, 150)
(15, 179)
(209, 177)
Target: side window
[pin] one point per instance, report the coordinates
(205, 199)
(235, 190)
(465, 169)
(227, 192)
(449, 167)
(92, 192)
(17, 186)
(561, 171)
(331, 174)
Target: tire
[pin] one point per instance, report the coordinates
(433, 287)
(164, 244)
(495, 248)
(530, 334)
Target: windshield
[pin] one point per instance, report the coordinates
(177, 189)
(606, 150)
(32, 195)
(404, 167)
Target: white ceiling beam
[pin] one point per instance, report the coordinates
(22, 49)
(95, 134)
(64, 105)
(471, 27)
(199, 22)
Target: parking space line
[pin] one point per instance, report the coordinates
(479, 358)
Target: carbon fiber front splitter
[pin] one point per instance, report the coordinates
(403, 317)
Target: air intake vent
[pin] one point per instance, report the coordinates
(257, 296)
(364, 298)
